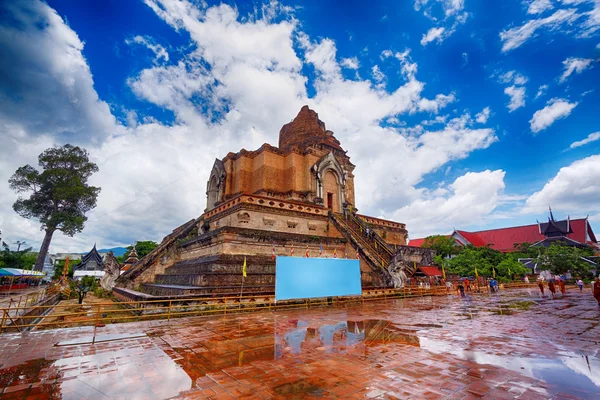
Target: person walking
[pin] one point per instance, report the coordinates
(526, 279)
(580, 284)
(562, 287)
(461, 289)
(552, 288)
(597, 290)
(541, 285)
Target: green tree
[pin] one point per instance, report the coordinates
(465, 262)
(443, 246)
(84, 285)
(509, 267)
(22, 259)
(141, 248)
(59, 196)
(560, 259)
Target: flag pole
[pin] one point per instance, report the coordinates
(243, 276)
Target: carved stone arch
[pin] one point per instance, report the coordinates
(330, 164)
(215, 185)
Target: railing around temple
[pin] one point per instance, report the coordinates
(98, 314)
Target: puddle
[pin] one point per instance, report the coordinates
(300, 389)
(100, 338)
(570, 373)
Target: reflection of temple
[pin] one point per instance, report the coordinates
(270, 200)
(295, 336)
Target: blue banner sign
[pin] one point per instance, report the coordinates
(302, 278)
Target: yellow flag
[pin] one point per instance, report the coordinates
(476, 274)
(244, 267)
(443, 272)
(493, 272)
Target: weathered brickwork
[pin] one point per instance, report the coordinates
(274, 196)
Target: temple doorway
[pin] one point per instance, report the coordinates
(330, 201)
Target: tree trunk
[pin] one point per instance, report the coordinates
(39, 263)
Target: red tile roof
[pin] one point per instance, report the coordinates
(430, 271)
(504, 239)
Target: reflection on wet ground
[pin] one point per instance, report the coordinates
(506, 345)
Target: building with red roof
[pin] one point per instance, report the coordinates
(576, 232)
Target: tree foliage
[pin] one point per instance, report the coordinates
(141, 248)
(58, 196)
(560, 259)
(22, 259)
(443, 246)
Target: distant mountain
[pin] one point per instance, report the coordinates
(117, 251)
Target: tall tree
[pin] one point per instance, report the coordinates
(59, 195)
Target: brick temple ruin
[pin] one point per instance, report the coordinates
(297, 197)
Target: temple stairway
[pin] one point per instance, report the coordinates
(372, 247)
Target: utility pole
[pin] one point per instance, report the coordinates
(19, 244)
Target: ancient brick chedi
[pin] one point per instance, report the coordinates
(298, 197)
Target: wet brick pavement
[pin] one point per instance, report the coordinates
(499, 346)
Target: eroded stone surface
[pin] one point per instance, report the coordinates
(507, 345)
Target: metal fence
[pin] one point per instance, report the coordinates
(98, 314)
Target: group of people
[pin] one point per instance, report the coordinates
(560, 283)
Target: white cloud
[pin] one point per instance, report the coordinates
(592, 137)
(350, 63)
(574, 188)
(538, 6)
(433, 34)
(575, 65)
(377, 74)
(555, 109)
(513, 77)
(517, 97)
(248, 74)
(541, 91)
(576, 18)
(453, 17)
(159, 51)
(515, 37)
(466, 202)
(483, 116)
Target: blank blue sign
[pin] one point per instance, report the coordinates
(302, 278)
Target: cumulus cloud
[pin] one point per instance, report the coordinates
(350, 63)
(555, 109)
(46, 74)
(575, 187)
(483, 116)
(575, 65)
(240, 81)
(468, 201)
(592, 137)
(517, 97)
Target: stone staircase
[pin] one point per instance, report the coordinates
(215, 275)
(372, 247)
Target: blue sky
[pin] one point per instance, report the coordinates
(463, 114)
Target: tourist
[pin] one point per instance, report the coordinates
(597, 290)
(368, 232)
(461, 289)
(561, 286)
(541, 285)
(580, 284)
(467, 285)
(552, 287)
(526, 279)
